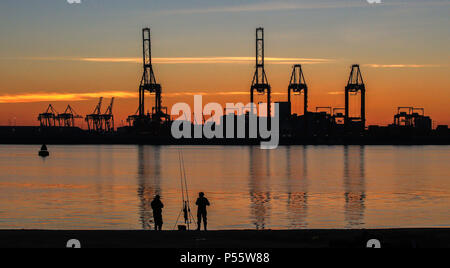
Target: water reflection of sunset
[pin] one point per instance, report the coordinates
(101, 187)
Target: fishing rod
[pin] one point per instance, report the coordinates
(186, 205)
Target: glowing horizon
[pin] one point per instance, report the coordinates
(82, 52)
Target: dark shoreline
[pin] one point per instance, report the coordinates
(389, 238)
(76, 136)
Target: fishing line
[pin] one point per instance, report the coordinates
(186, 202)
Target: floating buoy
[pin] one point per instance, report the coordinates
(44, 151)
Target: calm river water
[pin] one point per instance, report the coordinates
(111, 187)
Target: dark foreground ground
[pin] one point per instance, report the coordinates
(398, 238)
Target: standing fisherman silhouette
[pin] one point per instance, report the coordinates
(157, 207)
(202, 203)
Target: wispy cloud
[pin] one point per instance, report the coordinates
(54, 96)
(298, 5)
(336, 93)
(68, 97)
(402, 66)
(191, 60)
(269, 6)
(213, 93)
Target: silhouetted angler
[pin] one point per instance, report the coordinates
(202, 203)
(44, 151)
(157, 207)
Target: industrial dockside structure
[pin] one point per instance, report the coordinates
(324, 125)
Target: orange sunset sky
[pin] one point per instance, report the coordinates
(60, 53)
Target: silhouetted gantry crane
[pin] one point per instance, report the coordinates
(411, 117)
(148, 81)
(260, 82)
(149, 84)
(49, 117)
(339, 116)
(94, 120)
(101, 123)
(107, 118)
(355, 86)
(67, 119)
(298, 86)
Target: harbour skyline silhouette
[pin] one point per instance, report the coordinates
(231, 125)
(256, 123)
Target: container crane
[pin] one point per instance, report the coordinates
(49, 117)
(94, 120)
(108, 118)
(67, 119)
